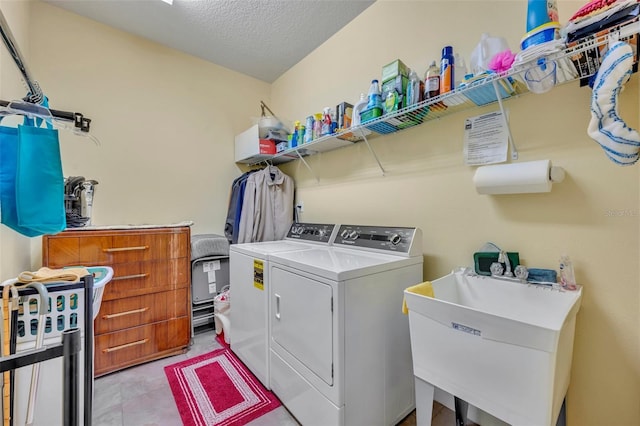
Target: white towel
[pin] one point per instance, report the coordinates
(620, 142)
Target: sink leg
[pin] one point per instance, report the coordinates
(424, 402)
(461, 407)
(562, 416)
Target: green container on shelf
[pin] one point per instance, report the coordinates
(370, 113)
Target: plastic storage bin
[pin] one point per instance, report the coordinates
(209, 275)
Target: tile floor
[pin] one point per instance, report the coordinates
(140, 396)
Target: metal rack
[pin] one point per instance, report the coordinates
(493, 89)
(69, 348)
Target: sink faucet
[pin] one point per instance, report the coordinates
(503, 258)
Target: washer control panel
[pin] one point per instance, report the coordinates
(318, 232)
(387, 238)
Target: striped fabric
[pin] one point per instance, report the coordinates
(620, 142)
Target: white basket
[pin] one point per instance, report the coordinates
(65, 308)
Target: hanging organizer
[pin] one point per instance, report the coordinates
(490, 90)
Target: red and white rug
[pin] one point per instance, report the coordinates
(217, 389)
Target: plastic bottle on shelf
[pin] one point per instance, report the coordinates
(357, 108)
(432, 81)
(294, 135)
(308, 131)
(413, 89)
(326, 121)
(317, 125)
(447, 74)
(391, 102)
(461, 69)
(375, 97)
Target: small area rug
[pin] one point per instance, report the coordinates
(217, 389)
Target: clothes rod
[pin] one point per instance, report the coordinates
(81, 122)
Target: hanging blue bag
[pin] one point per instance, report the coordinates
(30, 156)
(8, 166)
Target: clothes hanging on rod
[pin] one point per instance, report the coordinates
(35, 95)
(236, 197)
(267, 207)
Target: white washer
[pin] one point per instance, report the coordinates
(249, 289)
(340, 352)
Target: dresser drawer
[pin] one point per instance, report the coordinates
(138, 278)
(140, 310)
(109, 248)
(132, 346)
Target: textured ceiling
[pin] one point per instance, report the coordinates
(260, 38)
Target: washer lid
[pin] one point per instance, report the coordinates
(265, 248)
(340, 264)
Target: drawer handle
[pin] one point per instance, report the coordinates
(115, 250)
(129, 277)
(128, 345)
(120, 314)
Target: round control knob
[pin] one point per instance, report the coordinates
(353, 235)
(496, 269)
(395, 239)
(299, 230)
(321, 232)
(344, 233)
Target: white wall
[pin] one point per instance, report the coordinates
(592, 215)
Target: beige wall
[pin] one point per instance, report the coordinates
(167, 120)
(14, 248)
(428, 186)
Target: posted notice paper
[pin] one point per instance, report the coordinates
(486, 139)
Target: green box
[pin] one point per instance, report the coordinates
(399, 84)
(394, 69)
(482, 261)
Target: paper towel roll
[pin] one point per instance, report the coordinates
(517, 178)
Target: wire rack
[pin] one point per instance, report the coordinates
(580, 60)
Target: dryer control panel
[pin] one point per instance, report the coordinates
(318, 232)
(391, 239)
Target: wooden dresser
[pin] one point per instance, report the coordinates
(145, 308)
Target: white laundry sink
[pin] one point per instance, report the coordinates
(502, 346)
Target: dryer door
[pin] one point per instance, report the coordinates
(302, 320)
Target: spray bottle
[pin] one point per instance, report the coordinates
(357, 108)
(447, 76)
(326, 121)
(413, 89)
(317, 125)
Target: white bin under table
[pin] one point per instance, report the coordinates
(503, 347)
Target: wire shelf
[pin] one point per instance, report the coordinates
(579, 60)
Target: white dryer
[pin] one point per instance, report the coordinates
(340, 352)
(249, 289)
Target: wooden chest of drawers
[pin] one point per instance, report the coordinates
(144, 313)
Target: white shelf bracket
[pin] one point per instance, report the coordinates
(308, 166)
(373, 153)
(514, 151)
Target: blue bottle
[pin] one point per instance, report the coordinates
(447, 76)
(375, 97)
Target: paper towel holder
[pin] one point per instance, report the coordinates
(517, 178)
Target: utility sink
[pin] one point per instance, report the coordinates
(502, 346)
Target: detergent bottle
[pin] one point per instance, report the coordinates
(375, 97)
(357, 108)
(294, 135)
